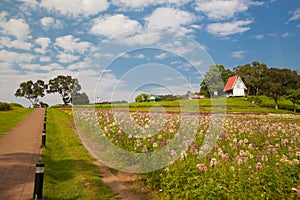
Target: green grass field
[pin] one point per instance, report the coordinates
(8, 119)
(237, 104)
(69, 169)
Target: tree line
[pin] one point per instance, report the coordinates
(67, 87)
(259, 80)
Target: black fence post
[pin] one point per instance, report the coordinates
(38, 183)
(44, 126)
(44, 138)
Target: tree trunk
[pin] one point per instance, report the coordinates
(276, 105)
(295, 109)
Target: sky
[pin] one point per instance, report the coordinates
(120, 48)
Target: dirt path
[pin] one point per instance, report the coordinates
(19, 152)
(120, 183)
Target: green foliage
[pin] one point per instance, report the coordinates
(9, 118)
(16, 105)
(294, 96)
(252, 75)
(278, 81)
(31, 91)
(4, 106)
(142, 98)
(65, 86)
(215, 80)
(80, 99)
(69, 169)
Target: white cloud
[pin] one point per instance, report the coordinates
(50, 22)
(67, 58)
(161, 56)
(71, 44)
(18, 44)
(228, 28)
(139, 5)
(141, 37)
(238, 54)
(113, 25)
(75, 8)
(45, 59)
(30, 67)
(295, 15)
(259, 37)
(13, 57)
(51, 67)
(17, 28)
(220, 9)
(43, 42)
(169, 18)
(285, 35)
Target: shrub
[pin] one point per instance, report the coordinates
(16, 105)
(4, 106)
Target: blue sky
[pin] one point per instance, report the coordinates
(120, 48)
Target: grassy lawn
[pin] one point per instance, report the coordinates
(69, 169)
(8, 119)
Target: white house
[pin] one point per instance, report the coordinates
(235, 87)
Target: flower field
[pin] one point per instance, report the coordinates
(251, 156)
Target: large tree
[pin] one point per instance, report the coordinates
(142, 98)
(80, 99)
(66, 86)
(215, 80)
(294, 97)
(31, 91)
(252, 75)
(278, 81)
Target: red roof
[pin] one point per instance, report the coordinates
(230, 83)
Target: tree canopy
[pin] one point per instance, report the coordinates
(278, 81)
(252, 75)
(66, 86)
(80, 99)
(142, 98)
(31, 91)
(215, 80)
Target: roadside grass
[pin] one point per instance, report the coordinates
(10, 118)
(69, 169)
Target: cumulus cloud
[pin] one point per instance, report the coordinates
(14, 57)
(75, 8)
(17, 44)
(238, 54)
(295, 15)
(43, 42)
(111, 25)
(70, 44)
(169, 18)
(139, 5)
(228, 28)
(67, 58)
(50, 22)
(220, 9)
(17, 28)
(259, 36)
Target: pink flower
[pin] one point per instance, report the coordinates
(225, 156)
(258, 165)
(202, 167)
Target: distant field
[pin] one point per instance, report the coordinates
(240, 104)
(8, 119)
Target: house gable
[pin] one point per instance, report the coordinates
(235, 86)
